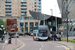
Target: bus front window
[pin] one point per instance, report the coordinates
(43, 33)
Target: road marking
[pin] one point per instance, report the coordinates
(58, 46)
(21, 46)
(72, 47)
(41, 47)
(62, 46)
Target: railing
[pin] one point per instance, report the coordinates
(23, 7)
(7, 3)
(23, 14)
(23, 4)
(7, 13)
(23, 10)
(7, 7)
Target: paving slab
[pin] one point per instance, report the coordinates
(13, 45)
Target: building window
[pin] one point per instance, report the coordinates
(15, 10)
(49, 23)
(31, 26)
(0, 6)
(36, 23)
(35, 2)
(3, 9)
(26, 27)
(35, 9)
(29, 3)
(39, 0)
(13, 13)
(3, 13)
(15, 3)
(0, 13)
(29, 7)
(17, 23)
(0, 9)
(54, 24)
(26, 18)
(21, 24)
(3, 6)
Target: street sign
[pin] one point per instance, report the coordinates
(11, 25)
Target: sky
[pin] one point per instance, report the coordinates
(50, 4)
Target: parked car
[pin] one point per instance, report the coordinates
(27, 34)
(20, 34)
(15, 35)
(2, 36)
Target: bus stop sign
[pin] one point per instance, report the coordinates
(11, 25)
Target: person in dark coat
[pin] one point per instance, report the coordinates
(55, 37)
(10, 38)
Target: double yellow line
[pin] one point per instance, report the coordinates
(62, 46)
(21, 46)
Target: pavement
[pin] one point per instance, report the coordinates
(11, 46)
(1, 44)
(71, 46)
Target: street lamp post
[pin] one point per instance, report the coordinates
(44, 20)
(67, 17)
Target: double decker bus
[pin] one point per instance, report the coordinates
(40, 32)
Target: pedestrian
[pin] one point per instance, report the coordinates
(59, 37)
(49, 37)
(2, 38)
(10, 38)
(52, 36)
(55, 37)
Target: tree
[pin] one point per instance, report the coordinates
(22, 29)
(4, 26)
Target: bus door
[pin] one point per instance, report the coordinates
(35, 32)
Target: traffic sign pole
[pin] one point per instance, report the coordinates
(16, 39)
(7, 37)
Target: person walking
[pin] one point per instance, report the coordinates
(55, 37)
(59, 37)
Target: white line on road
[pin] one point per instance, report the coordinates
(41, 47)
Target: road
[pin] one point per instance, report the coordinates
(30, 44)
